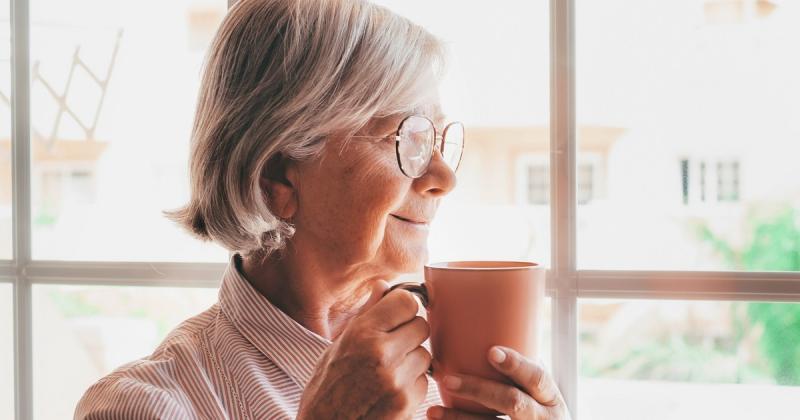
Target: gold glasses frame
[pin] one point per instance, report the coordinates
(437, 140)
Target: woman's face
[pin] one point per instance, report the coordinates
(357, 211)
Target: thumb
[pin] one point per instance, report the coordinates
(529, 375)
(376, 291)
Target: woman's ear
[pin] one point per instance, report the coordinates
(278, 181)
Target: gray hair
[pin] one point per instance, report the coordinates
(279, 77)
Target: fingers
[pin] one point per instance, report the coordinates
(420, 390)
(416, 363)
(530, 376)
(443, 413)
(409, 336)
(498, 396)
(398, 307)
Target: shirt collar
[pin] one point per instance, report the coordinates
(291, 346)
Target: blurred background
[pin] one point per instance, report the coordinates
(688, 138)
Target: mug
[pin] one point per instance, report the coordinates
(474, 305)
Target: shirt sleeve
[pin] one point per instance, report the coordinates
(120, 397)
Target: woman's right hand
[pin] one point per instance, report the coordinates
(376, 367)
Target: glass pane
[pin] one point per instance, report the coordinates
(113, 92)
(688, 111)
(98, 329)
(546, 338)
(6, 250)
(497, 84)
(688, 360)
(6, 352)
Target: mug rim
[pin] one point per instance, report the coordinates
(507, 265)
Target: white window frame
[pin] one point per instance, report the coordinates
(565, 284)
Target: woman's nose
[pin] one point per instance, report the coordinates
(438, 180)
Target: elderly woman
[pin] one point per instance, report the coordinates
(319, 157)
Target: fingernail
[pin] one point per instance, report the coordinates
(436, 412)
(452, 382)
(497, 355)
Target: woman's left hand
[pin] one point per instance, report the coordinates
(536, 396)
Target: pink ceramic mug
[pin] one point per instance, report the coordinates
(474, 305)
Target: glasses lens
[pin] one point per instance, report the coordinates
(416, 145)
(453, 145)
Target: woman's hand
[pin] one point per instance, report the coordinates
(536, 396)
(376, 367)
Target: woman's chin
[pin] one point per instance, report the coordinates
(404, 253)
(411, 259)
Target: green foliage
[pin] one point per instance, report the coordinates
(773, 245)
(673, 357)
(45, 218)
(781, 339)
(70, 305)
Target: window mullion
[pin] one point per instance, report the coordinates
(751, 286)
(98, 273)
(21, 203)
(563, 198)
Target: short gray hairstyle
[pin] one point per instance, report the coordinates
(279, 77)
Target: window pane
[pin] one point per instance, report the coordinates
(691, 108)
(97, 329)
(688, 360)
(546, 338)
(497, 84)
(113, 92)
(6, 352)
(6, 250)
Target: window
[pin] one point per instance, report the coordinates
(63, 187)
(586, 180)
(669, 233)
(110, 128)
(703, 186)
(98, 328)
(102, 151)
(533, 186)
(728, 181)
(6, 225)
(685, 180)
(6, 352)
(538, 183)
(701, 215)
(654, 354)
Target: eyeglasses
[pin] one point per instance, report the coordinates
(416, 140)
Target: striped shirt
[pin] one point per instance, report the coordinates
(243, 358)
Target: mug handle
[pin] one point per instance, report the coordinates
(418, 289)
(421, 291)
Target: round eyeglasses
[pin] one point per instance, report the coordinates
(416, 140)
